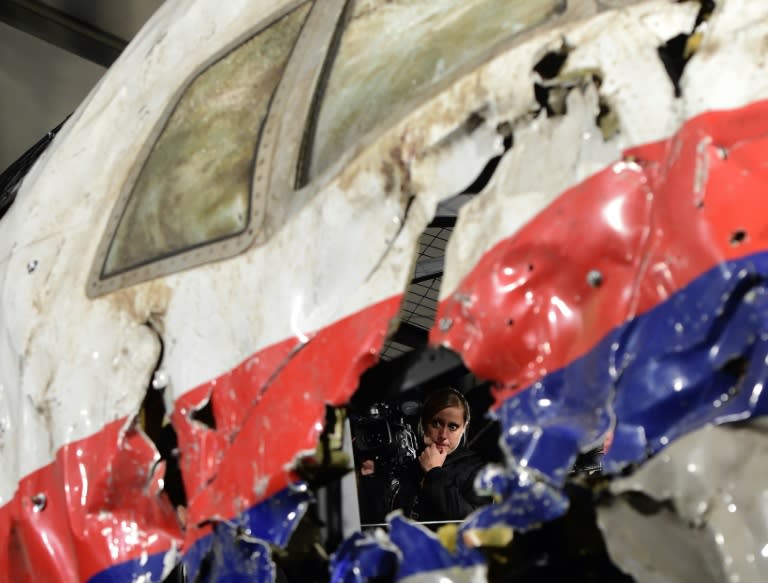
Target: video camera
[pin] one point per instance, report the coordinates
(383, 435)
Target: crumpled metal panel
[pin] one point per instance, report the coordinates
(409, 554)
(361, 558)
(521, 497)
(240, 548)
(650, 327)
(85, 503)
(270, 411)
(264, 340)
(267, 378)
(696, 512)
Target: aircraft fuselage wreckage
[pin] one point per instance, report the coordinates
(220, 241)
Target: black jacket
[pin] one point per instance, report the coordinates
(444, 493)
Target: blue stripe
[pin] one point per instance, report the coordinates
(234, 545)
(361, 558)
(411, 550)
(697, 358)
(151, 570)
(236, 550)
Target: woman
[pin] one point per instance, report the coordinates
(439, 485)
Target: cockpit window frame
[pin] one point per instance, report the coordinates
(269, 180)
(305, 174)
(283, 147)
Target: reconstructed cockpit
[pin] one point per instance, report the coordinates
(274, 228)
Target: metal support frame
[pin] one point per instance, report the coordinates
(62, 30)
(422, 366)
(428, 269)
(448, 210)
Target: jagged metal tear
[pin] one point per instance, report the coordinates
(696, 512)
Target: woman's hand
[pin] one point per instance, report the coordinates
(432, 456)
(367, 468)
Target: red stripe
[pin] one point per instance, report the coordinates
(250, 458)
(103, 503)
(648, 225)
(663, 242)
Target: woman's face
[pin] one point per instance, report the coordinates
(445, 429)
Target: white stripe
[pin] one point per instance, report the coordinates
(77, 364)
(554, 154)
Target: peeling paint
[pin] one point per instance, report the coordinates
(669, 340)
(553, 280)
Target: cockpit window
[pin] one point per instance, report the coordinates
(393, 51)
(194, 188)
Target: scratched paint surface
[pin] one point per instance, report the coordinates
(81, 494)
(650, 328)
(678, 345)
(658, 337)
(102, 517)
